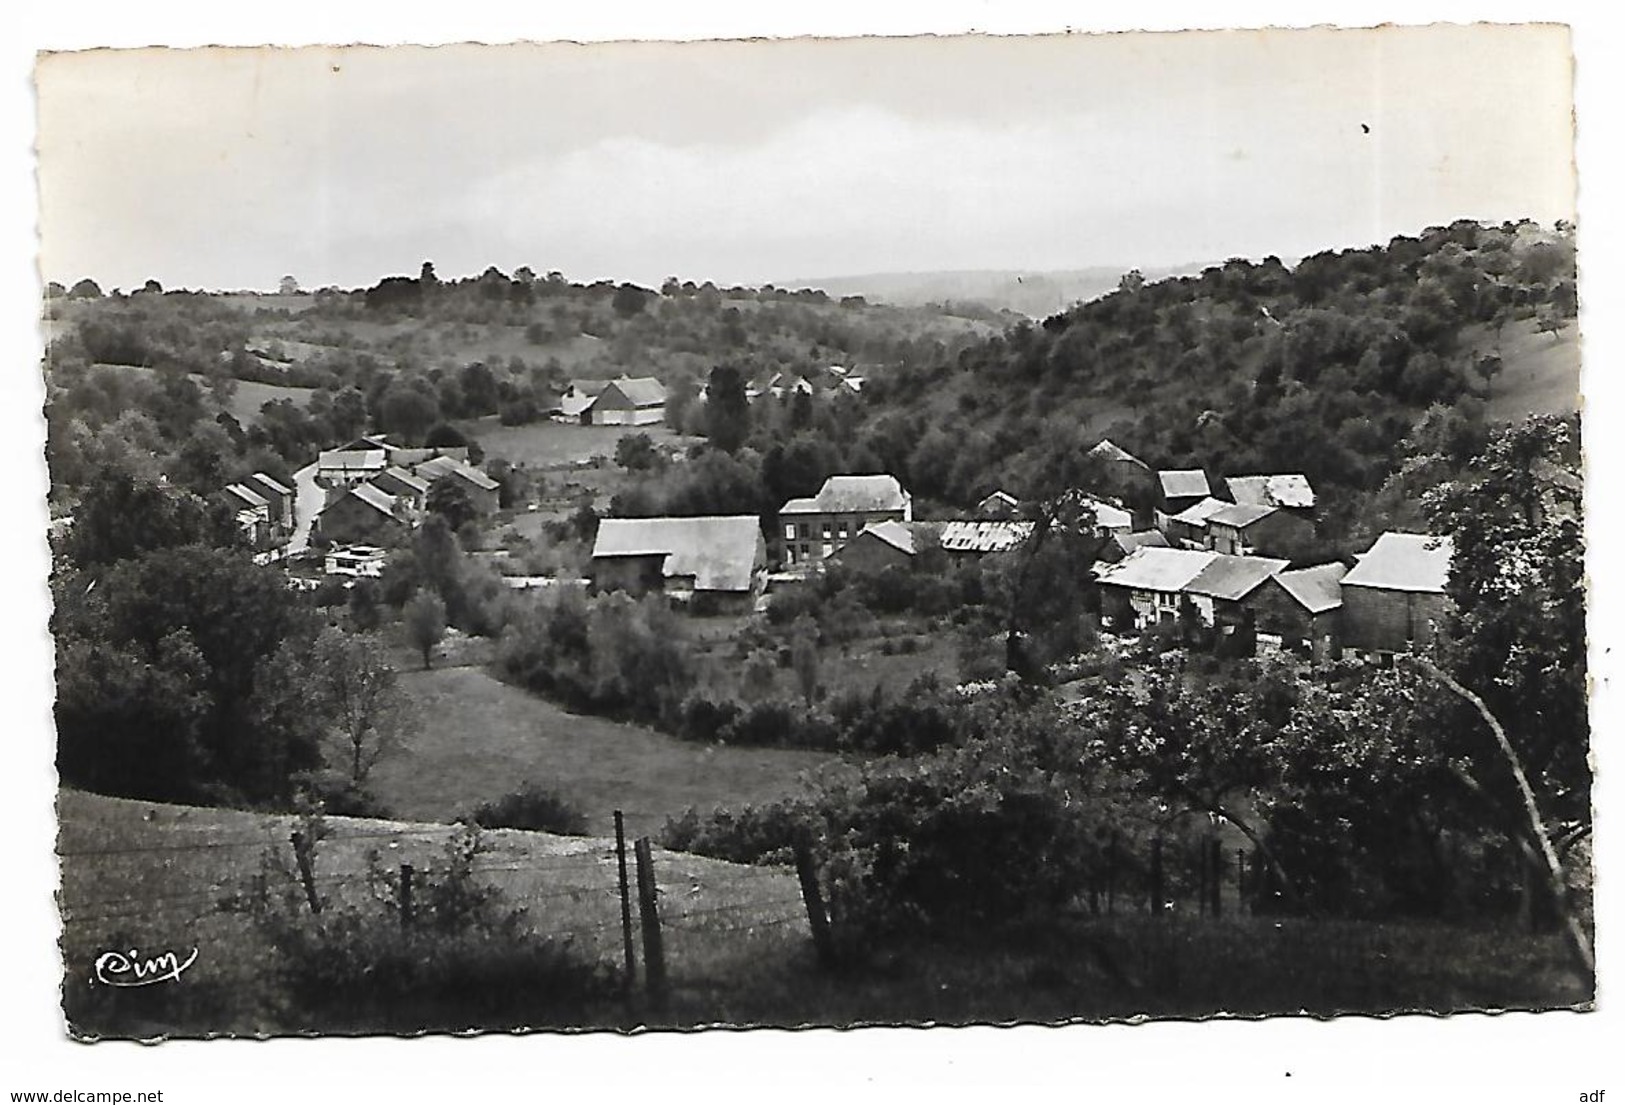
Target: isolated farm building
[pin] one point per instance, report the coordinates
(1394, 598)
(1219, 592)
(1000, 504)
(879, 545)
(483, 491)
(1188, 528)
(813, 528)
(1178, 490)
(627, 401)
(1288, 491)
(1148, 586)
(343, 468)
(409, 489)
(1243, 529)
(277, 497)
(983, 537)
(252, 512)
(713, 564)
(364, 514)
(1303, 608)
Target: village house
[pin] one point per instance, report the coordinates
(363, 514)
(624, 401)
(1188, 528)
(708, 564)
(413, 491)
(1178, 490)
(1245, 529)
(1127, 479)
(879, 545)
(1147, 587)
(813, 528)
(279, 499)
(1301, 609)
(1219, 592)
(1394, 598)
(358, 561)
(483, 491)
(339, 469)
(252, 512)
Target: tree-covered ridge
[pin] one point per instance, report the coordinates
(1250, 366)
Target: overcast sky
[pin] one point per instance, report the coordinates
(748, 162)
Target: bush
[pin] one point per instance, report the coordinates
(756, 834)
(533, 808)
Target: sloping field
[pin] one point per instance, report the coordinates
(246, 401)
(557, 444)
(478, 739)
(1540, 373)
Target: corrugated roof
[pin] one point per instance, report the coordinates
(984, 536)
(1158, 569)
(852, 495)
(640, 391)
(1285, 490)
(1234, 577)
(1403, 562)
(1107, 450)
(1183, 483)
(1239, 515)
(1316, 589)
(1198, 514)
(719, 552)
(267, 482)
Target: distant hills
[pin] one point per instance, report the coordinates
(1032, 293)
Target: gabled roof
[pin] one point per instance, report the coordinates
(1285, 490)
(590, 388)
(1403, 562)
(396, 480)
(353, 460)
(366, 442)
(895, 534)
(984, 536)
(718, 552)
(640, 391)
(439, 467)
(1109, 515)
(852, 495)
(1183, 483)
(1234, 577)
(1316, 589)
(1239, 515)
(375, 497)
(572, 405)
(262, 480)
(1107, 450)
(1000, 498)
(1157, 569)
(1199, 513)
(1145, 539)
(409, 458)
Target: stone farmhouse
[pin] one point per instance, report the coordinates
(813, 528)
(709, 564)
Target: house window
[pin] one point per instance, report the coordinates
(829, 549)
(829, 531)
(789, 531)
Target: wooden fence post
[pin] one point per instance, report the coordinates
(654, 958)
(307, 871)
(817, 919)
(1215, 865)
(630, 978)
(406, 896)
(1156, 877)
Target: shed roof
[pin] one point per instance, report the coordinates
(1158, 569)
(1240, 515)
(1403, 562)
(719, 552)
(1234, 577)
(1316, 589)
(1286, 490)
(1183, 483)
(262, 480)
(852, 495)
(984, 536)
